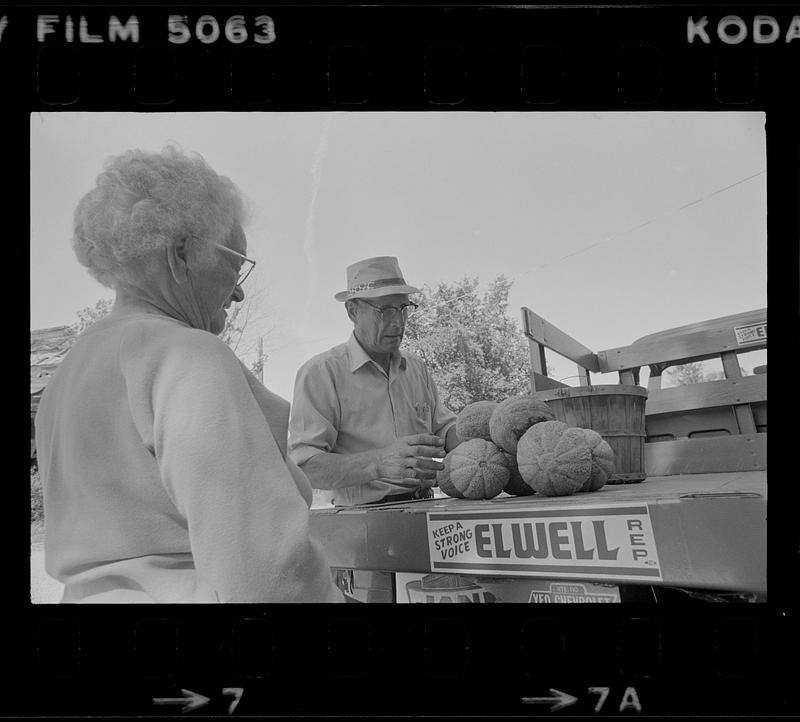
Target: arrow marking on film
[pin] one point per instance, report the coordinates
(557, 699)
(189, 700)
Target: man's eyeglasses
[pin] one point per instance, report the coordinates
(247, 266)
(390, 312)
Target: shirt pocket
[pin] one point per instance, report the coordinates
(423, 412)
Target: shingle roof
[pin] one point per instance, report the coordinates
(48, 348)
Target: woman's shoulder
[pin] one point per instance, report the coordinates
(156, 337)
(262, 392)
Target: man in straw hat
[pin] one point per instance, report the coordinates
(366, 420)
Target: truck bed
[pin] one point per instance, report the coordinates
(708, 530)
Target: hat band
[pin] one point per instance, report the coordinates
(369, 285)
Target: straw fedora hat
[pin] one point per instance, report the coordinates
(379, 276)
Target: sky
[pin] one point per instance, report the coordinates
(612, 226)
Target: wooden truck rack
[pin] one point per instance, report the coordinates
(712, 426)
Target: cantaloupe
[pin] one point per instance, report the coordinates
(602, 461)
(443, 477)
(513, 417)
(472, 421)
(555, 459)
(475, 469)
(516, 484)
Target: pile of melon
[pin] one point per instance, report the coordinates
(519, 447)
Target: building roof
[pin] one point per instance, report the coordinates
(48, 348)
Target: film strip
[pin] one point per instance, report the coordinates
(687, 655)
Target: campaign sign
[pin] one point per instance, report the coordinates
(752, 333)
(573, 593)
(418, 588)
(589, 542)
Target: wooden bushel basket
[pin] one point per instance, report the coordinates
(616, 412)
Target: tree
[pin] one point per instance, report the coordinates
(473, 349)
(88, 316)
(686, 374)
(695, 373)
(242, 318)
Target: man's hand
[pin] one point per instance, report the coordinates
(408, 459)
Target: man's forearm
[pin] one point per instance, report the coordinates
(336, 471)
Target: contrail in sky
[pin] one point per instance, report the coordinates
(310, 237)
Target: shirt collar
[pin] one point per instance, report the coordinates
(358, 356)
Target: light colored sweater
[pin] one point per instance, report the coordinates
(163, 464)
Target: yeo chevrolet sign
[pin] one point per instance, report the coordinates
(604, 542)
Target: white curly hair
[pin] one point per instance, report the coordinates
(143, 199)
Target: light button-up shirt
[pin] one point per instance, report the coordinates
(345, 403)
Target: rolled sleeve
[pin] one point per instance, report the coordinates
(314, 416)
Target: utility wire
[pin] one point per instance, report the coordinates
(617, 236)
(611, 239)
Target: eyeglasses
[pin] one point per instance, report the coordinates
(243, 274)
(390, 312)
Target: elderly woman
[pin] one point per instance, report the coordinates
(163, 459)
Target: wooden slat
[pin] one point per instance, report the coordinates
(679, 349)
(543, 332)
(538, 360)
(538, 365)
(743, 452)
(746, 390)
(743, 413)
(730, 365)
(744, 419)
(540, 382)
(737, 319)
